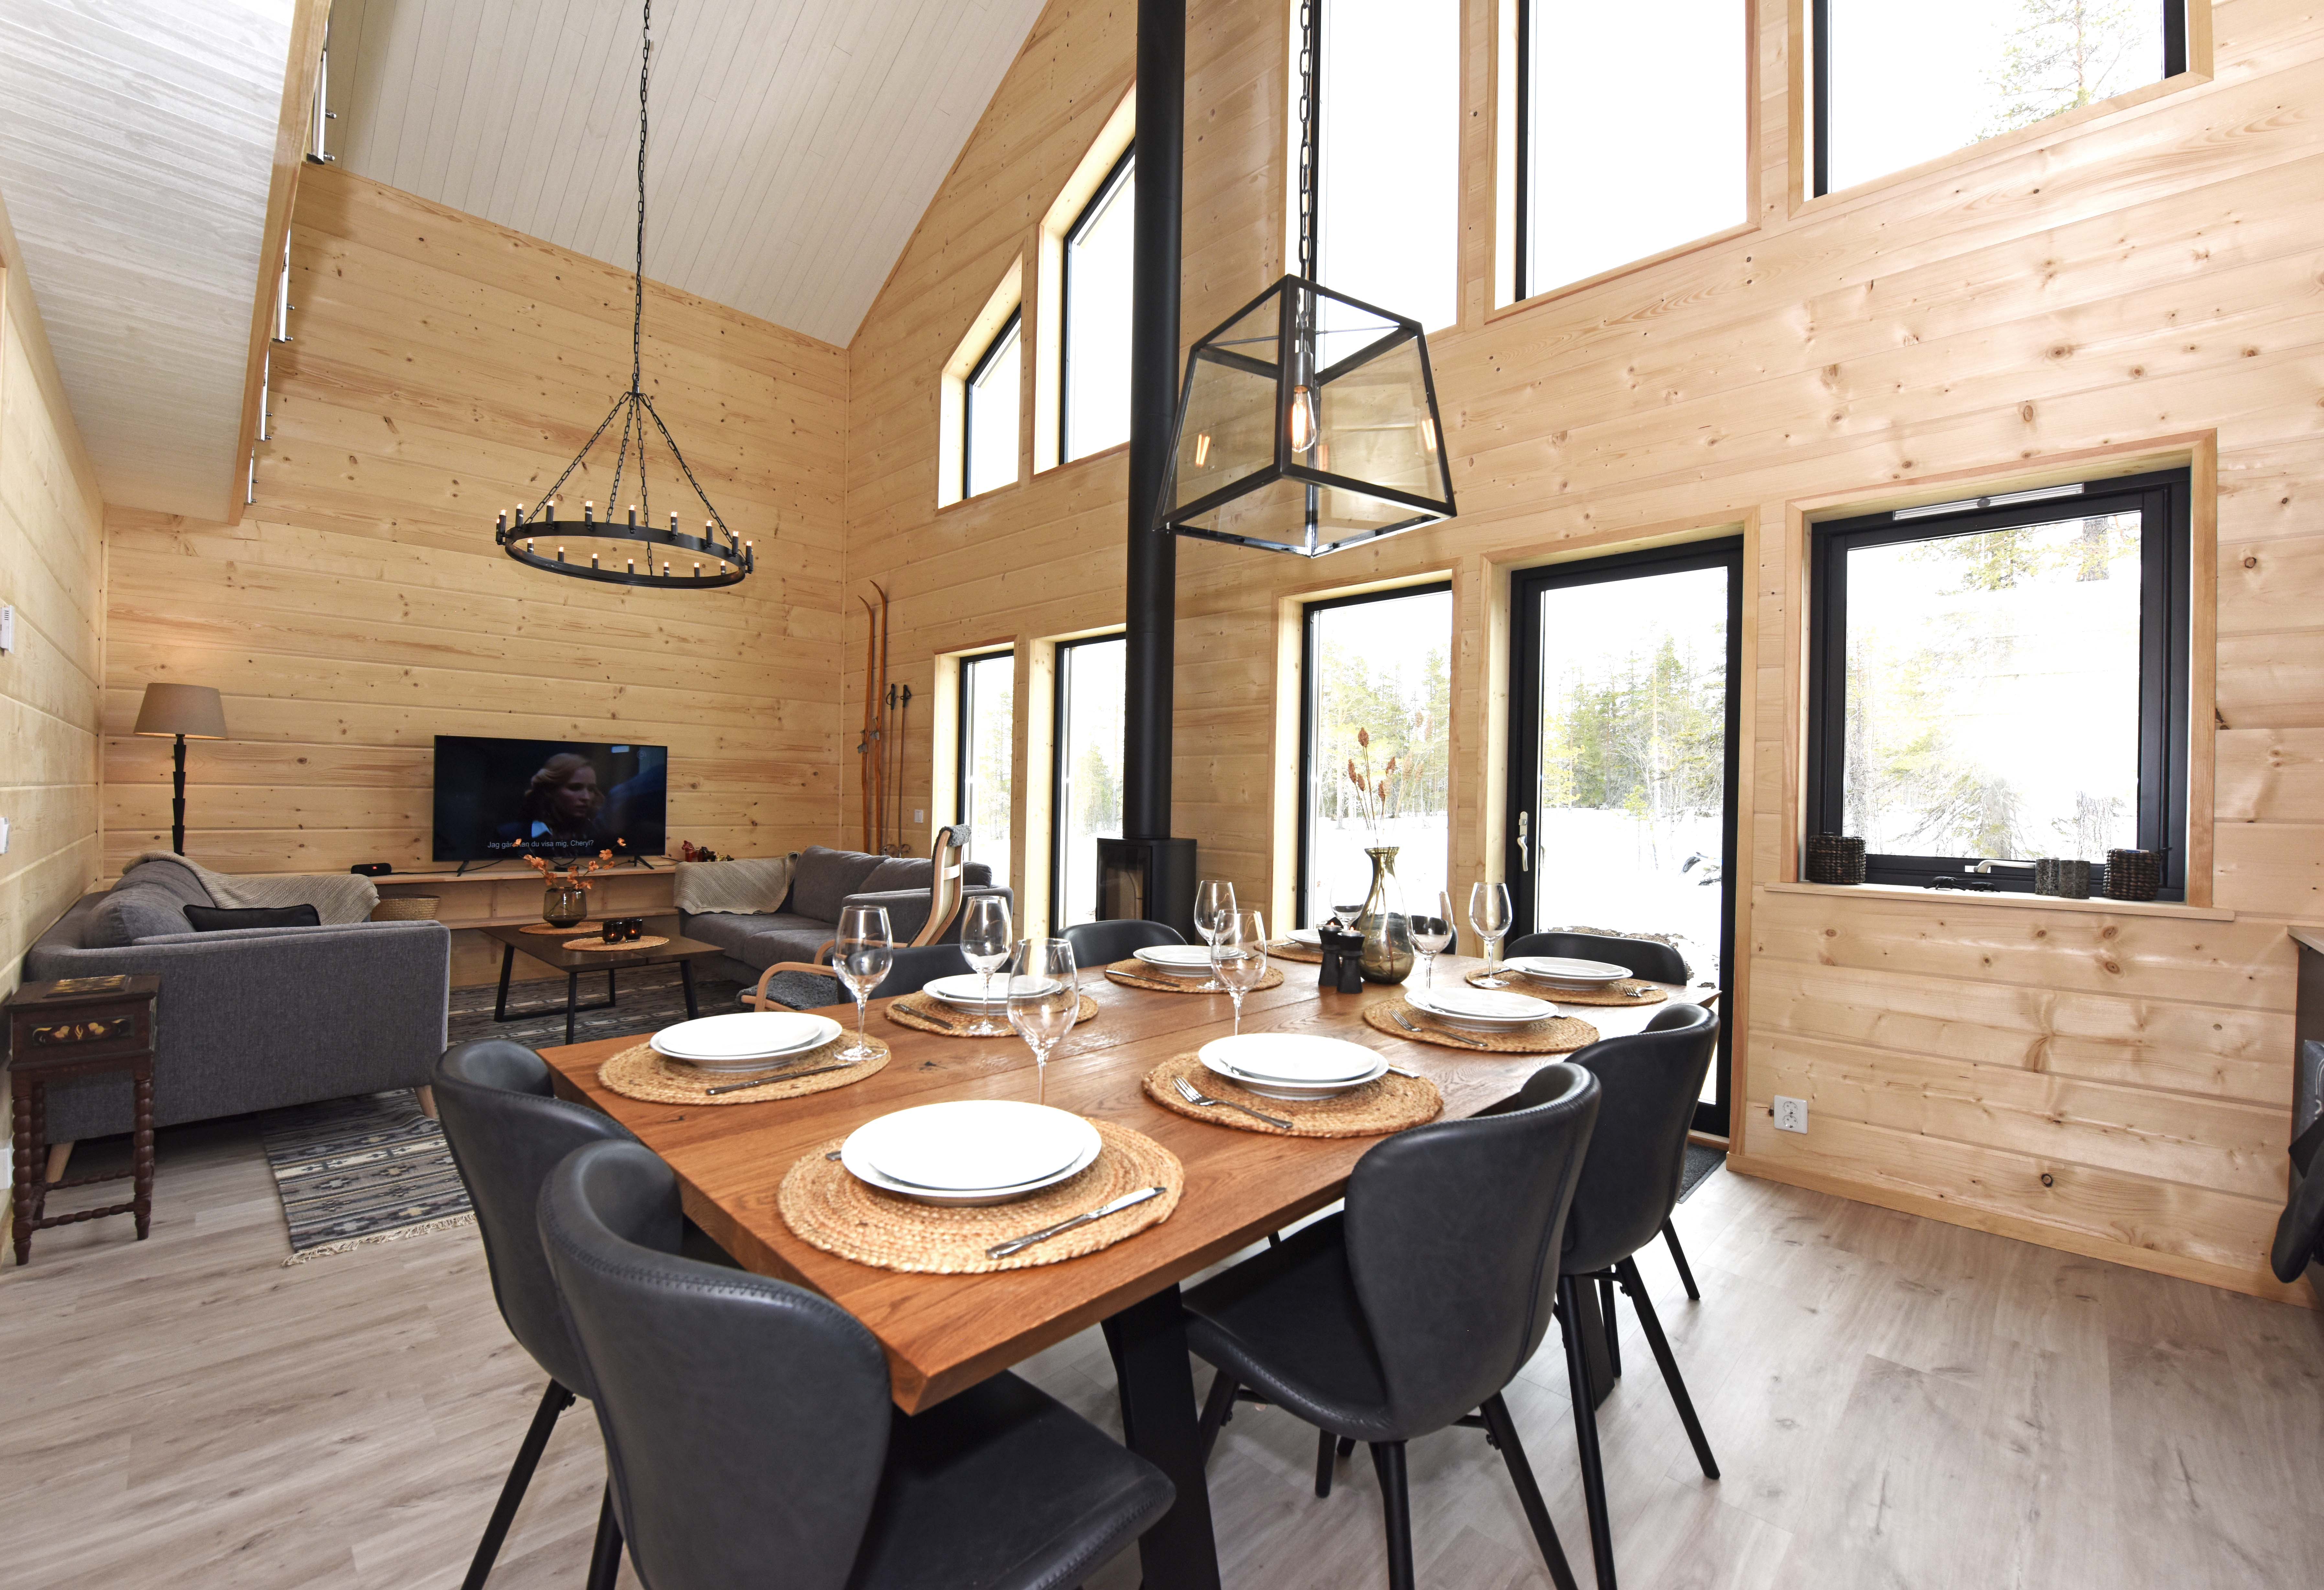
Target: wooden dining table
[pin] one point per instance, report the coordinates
(944, 1333)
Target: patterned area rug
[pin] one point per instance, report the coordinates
(354, 1172)
(646, 1001)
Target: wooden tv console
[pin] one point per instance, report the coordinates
(510, 896)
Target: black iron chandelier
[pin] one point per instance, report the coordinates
(535, 535)
(1308, 420)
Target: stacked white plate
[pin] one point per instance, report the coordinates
(1293, 1066)
(1559, 972)
(969, 1152)
(967, 990)
(1178, 960)
(1310, 937)
(747, 1040)
(1488, 1009)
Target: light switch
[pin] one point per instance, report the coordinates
(4, 835)
(7, 629)
(919, 814)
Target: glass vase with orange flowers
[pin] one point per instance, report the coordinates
(564, 904)
(1386, 930)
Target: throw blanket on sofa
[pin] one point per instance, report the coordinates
(336, 897)
(746, 887)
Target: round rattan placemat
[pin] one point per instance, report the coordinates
(648, 942)
(925, 1012)
(831, 1210)
(1288, 950)
(1613, 994)
(1392, 1103)
(591, 926)
(1130, 973)
(1558, 1035)
(642, 1075)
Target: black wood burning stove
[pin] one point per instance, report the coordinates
(1153, 879)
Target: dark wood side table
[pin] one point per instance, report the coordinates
(59, 1032)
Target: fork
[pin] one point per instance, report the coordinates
(1399, 1018)
(1195, 1096)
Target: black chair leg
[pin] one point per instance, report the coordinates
(1396, 1511)
(1585, 1440)
(605, 1555)
(1678, 1257)
(1323, 1449)
(1653, 1326)
(555, 1400)
(1607, 1311)
(1216, 1407)
(1504, 1432)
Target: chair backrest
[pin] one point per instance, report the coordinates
(1098, 945)
(1638, 1157)
(916, 967)
(946, 887)
(2300, 1229)
(1645, 957)
(1452, 1238)
(745, 1419)
(508, 1131)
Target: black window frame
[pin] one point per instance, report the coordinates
(2174, 64)
(965, 712)
(1309, 728)
(1012, 326)
(1061, 687)
(2163, 498)
(1107, 190)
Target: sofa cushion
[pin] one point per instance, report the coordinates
(131, 912)
(180, 883)
(897, 872)
(215, 919)
(823, 878)
(760, 941)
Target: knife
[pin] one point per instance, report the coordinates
(1128, 1200)
(1398, 1018)
(778, 1076)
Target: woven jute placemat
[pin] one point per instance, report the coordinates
(650, 1078)
(1611, 994)
(831, 1210)
(592, 926)
(1377, 1109)
(1558, 1035)
(925, 1012)
(648, 942)
(1132, 974)
(1290, 950)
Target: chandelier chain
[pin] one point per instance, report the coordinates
(1307, 138)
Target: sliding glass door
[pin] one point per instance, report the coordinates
(988, 747)
(1623, 702)
(1087, 797)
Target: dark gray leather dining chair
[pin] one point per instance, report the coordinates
(1643, 958)
(750, 1439)
(1411, 1310)
(1098, 945)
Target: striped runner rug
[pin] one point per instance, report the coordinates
(354, 1172)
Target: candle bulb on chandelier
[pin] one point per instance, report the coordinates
(673, 521)
(698, 571)
(592, 560)
(548, 511)
(561, 554)
(633, 566)
(588, 512)
(633, 515)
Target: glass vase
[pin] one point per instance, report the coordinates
(1387, 930)
(565, 905)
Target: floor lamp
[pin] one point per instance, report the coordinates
(181, 711)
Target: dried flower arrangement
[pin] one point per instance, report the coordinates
(1375, 796)
(573, 875)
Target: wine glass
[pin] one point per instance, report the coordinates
(1351, 885)
(1432, 936)
(1238, 957)
(1044, 999)
(1488, 914)
(986, 939)
(1213, 902)
(863, 954)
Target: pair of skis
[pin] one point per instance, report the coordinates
(880, 748)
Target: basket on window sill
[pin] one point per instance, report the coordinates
(1835, 859)
(2134, 874)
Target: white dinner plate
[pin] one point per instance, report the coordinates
(1300, 1058)
(1295, 1092)
(1311, 938)
(1178, 960)
(966, 989)
(744, 1041)
(1558, 970)
(870, 1175)
(986, 1146)
(1486, 1009)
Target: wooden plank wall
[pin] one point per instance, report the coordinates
(2140, 279)
(441, 368)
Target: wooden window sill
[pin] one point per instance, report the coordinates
(2127, 907)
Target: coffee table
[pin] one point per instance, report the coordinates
(549, 949)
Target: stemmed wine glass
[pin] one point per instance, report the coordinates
(1044, 1000)
(863, 954)
(986, 937)
(1432, 936)
(1213, 903)
(1351, 885)
(1238, 957)
(1489, 913)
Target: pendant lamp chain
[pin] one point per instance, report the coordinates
(1307, 139)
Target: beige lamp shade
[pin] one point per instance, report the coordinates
(191, 710)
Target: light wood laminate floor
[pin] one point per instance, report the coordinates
(1894, 1403)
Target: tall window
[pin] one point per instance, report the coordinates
(2005, 680)
(1633, 133)
(1389, 190)
(1087, 800)
(988, 442)
(988, 743)
(1095, 352)
(1379, 665)
(1897, 85)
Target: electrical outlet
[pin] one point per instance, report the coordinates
(1791, 1113)
(7, 629)
(919, 814)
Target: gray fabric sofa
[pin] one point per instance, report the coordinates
(823, 883)
(254, 1017)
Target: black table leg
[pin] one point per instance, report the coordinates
(1157, 1386)
(1597, 1364)
(572, 998)
(508, 960)
(686, 976)
(611, 995)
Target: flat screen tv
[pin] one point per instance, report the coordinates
(499, 799)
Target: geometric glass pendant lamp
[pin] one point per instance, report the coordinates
(1307, 422)
(673, 559)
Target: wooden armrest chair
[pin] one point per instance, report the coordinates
(947, 861)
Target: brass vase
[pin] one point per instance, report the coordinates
(1387, 930)
(565, 905)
